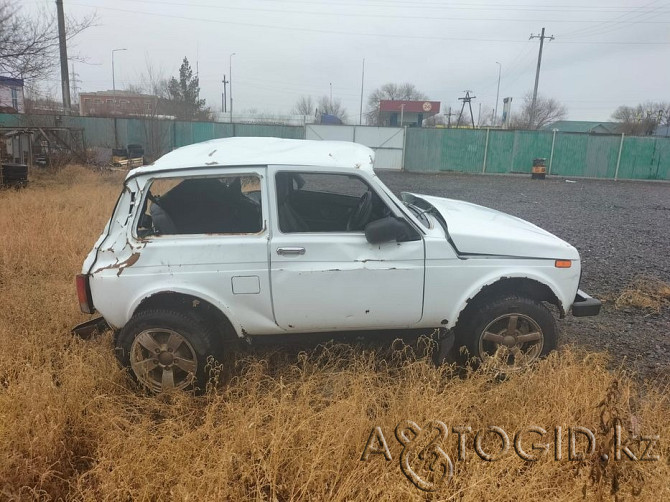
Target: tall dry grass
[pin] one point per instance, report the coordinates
(285, 427)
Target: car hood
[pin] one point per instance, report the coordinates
(477, 229)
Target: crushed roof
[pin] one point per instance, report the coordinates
(251, 151)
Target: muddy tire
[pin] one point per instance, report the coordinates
(167, 350)
(510, 332)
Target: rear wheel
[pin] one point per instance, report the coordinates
(510, 333)
(167, 350)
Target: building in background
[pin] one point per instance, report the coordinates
(117, 104)
(11, 95)
(583, 126)
(406, 113)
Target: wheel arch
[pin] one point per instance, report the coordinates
(531, 287)
(185, 301)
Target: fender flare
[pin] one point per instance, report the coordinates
(203, 295)
(493, 278)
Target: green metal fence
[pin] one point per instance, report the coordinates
(158, 136)
(426, 150)
(567, 154)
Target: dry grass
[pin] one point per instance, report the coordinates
(72, 426)
(646, 293)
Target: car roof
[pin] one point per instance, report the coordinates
(232, 152)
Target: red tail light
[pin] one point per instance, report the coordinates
(84, 294)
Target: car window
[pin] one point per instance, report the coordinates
(202, 205)
(325, 202)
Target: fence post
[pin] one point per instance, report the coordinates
(551, 156)
(486, 149)
(618, 159)
(404, 146)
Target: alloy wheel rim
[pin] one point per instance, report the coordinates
(514, 340)
(163, 360)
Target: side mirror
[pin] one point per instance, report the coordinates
(389, 229)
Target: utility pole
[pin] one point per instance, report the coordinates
(467, 99)
(449, 115)
(495, 114)
(537, 73)
(331, 97)
(223, 96)
(360, 117)
(64, 77)
(230, 74)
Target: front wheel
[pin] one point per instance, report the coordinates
(510, 333)
(167, 350)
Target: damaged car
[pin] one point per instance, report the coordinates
(242, 238)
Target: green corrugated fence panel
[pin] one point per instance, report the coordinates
(529, 145)
(423, 150)
(588, 155)
(501, 152)
(183, 133)
(444, 150)
(98, 131)
(10, 120)
(645, 158)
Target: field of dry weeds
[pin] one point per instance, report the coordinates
(283, 427)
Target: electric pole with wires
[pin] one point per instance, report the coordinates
(537, 74)
(467, 99)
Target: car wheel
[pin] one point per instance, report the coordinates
(510, 333)
(167, 350)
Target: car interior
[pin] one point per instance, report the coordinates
(201, 206)
(310, 202)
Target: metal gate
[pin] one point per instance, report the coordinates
(387, 142)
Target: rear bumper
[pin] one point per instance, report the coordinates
(86, 329)
(584, 305)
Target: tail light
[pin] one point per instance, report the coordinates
(84, 294)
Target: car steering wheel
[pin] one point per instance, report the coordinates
(361, 212)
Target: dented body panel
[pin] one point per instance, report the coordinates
(270, 282)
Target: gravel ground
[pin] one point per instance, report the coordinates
(621, 229)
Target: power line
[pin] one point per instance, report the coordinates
(348, 33)
(372, 15)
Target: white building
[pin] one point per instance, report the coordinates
(11, 95)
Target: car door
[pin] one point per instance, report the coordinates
(329, 280)
(201, 234)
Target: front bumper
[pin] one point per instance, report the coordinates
(584, 305)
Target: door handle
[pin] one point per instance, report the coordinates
(290, 251)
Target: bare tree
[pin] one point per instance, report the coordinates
(395, 92)
(547, 110)
(29, 45)
(304, 106)
(643, 119)
(334, 107)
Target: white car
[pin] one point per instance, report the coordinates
(253, 237)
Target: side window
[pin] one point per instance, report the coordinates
(315, 202)
(210, 205)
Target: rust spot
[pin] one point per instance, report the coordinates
(128, 262)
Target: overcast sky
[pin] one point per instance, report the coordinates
(605, 53)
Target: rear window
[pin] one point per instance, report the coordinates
(228, 204)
